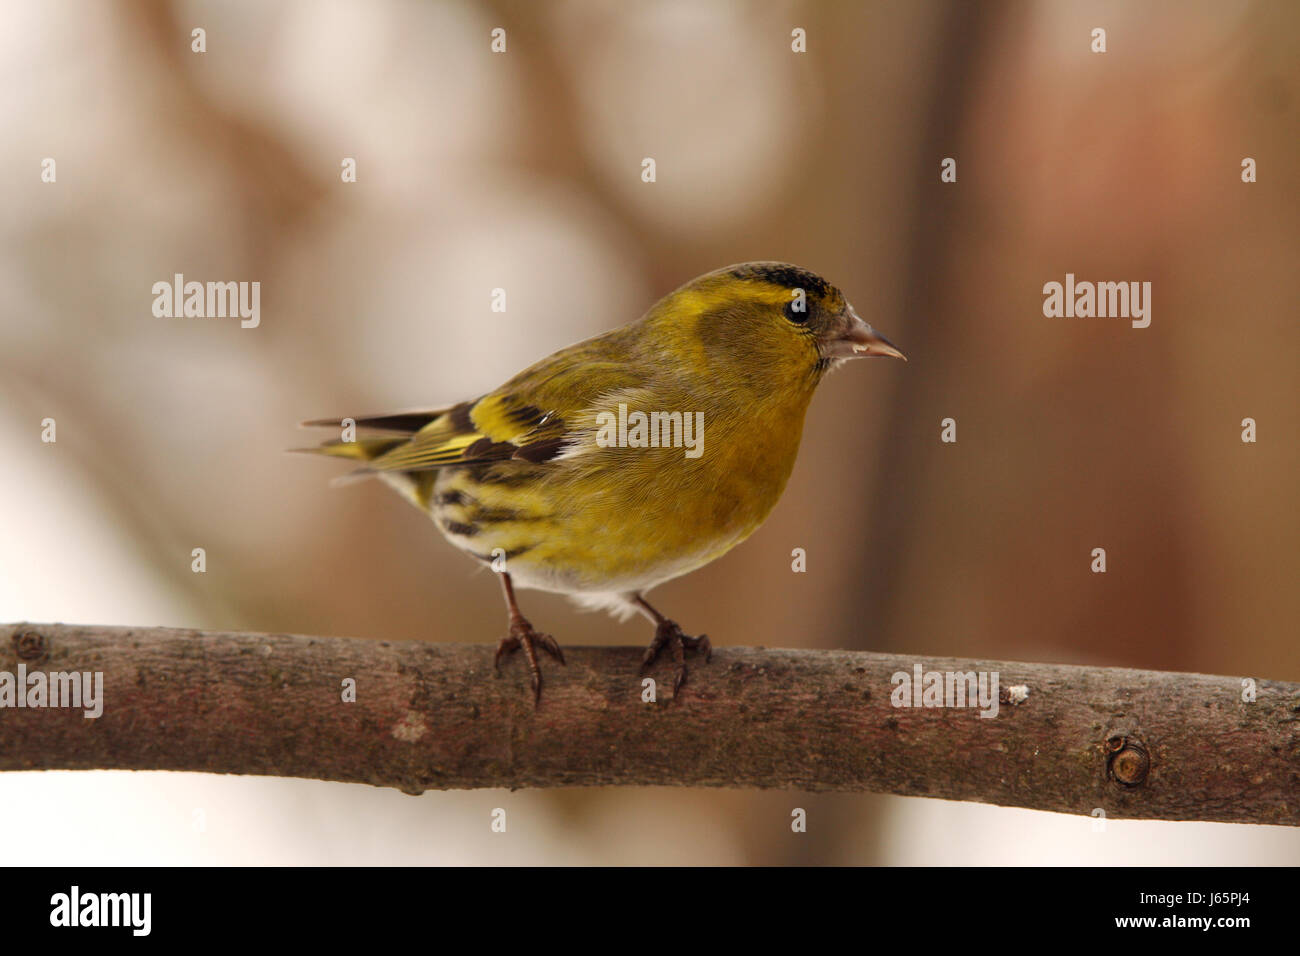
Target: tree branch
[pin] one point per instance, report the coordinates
(432, 716)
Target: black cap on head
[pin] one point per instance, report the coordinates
(784, 274)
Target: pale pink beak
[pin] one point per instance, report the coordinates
(861, 340)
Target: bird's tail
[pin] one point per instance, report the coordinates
(367, 449)
(361, 449)
(401, 426)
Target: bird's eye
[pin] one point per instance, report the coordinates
(797, 316)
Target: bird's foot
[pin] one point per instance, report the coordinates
(522, 634)
(669, 634)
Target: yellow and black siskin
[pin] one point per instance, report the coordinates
(552, 479)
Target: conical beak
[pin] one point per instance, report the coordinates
(861, 340)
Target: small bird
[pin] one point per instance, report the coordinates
(589, 474)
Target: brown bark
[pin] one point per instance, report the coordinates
(433, 716)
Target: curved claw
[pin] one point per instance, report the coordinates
(522, 634)
(669, 634)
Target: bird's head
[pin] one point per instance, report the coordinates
(768, 322)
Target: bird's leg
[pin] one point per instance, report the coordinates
(522, 634)
(669, 634)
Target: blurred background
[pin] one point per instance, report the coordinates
(522, 171)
